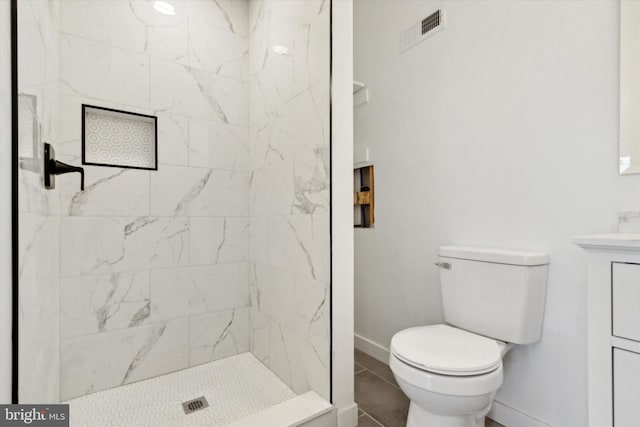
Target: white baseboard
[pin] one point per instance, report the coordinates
(373, 349)
(348, 416)
(511, 417)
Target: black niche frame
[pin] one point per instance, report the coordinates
(129, 113)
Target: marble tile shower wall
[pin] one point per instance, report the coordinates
(153, 266)
(149, 272)
(289, 190)
(39, 210)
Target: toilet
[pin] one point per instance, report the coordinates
(493, 299)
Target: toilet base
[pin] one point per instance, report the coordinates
(418, 417)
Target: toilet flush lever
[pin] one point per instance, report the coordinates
(444, 265)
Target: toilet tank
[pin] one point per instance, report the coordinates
(497, 293)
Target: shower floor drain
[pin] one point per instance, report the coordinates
(195, 405)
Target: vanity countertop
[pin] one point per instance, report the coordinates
(624, 241)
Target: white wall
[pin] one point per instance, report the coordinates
(5, 202)
(341, 207)
(501, 130)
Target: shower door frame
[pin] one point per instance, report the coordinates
(15, 339)
(14, 202)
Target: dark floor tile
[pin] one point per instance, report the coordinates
(367, 421)
(490, 423)
(357, 368)
(382, 401)
(375, 366)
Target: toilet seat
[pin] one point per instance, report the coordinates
(446, 350)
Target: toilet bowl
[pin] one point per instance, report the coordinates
(449, 375)
(493, 299)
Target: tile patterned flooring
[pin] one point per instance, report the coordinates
(380, 401)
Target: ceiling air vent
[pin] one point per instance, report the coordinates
(421, 30)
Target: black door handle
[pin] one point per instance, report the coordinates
(53, 167)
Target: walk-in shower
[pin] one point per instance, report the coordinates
(197, 260)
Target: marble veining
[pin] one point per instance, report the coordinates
(223, 239)
(143, 351)
(197, 93)
(108, 192)
(193, 193)
(136, 225)
(99, 361)
(80, 198)
(303, 248)
(228, 60)
(312, 182)
(95, 245)
(92, 304)
(218, 335)
(215, 240)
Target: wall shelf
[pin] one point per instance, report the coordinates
(360, 93)
(358, 86)
(363, 197)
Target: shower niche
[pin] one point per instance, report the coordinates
(119, 138)
(363, 197)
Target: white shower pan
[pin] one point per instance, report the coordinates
(240, 391)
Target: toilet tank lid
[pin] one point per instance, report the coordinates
(501, 256)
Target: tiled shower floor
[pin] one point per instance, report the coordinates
(235, 388)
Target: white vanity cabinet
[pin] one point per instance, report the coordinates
(613, 304)
(625, 300)
(626, 387)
